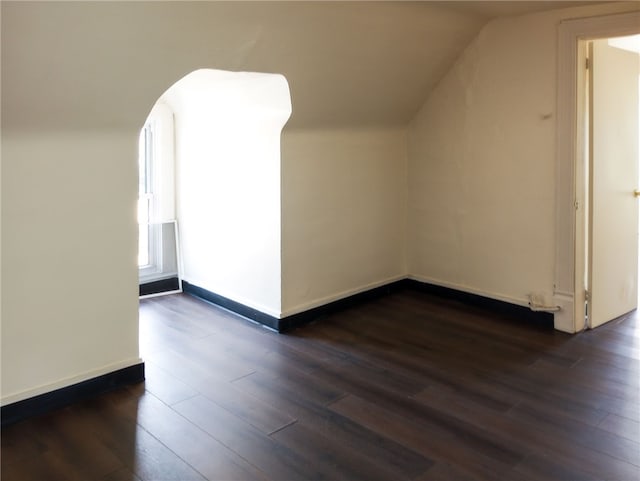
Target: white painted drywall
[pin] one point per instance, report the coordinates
(69, 280)
(343, 213)
(482, 164)
(228, 129)
(348, 63)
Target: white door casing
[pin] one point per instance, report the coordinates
(569, 284)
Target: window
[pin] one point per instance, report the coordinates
(157, 227)
(149, 248)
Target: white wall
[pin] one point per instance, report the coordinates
(343, 211)
(482, 164)
(228, 182)
(69, 303)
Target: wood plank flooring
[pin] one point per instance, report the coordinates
(406, 387)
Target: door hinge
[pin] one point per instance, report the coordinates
(576, 204)
(587, 295)
(586, 63)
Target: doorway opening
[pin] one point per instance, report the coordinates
(215, 168)
(608, 133)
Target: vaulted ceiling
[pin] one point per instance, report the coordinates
(74, 65)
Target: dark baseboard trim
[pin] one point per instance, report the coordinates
(37, 405)
(543, 319)
(515, 311)
(237, 307)
(156, 287)
(316, 313)
(294, 320)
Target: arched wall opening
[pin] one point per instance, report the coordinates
(222, 182)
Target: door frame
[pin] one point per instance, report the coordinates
(569, 288)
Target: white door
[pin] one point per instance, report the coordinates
(613, 245)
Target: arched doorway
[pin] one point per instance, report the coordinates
(216, 171)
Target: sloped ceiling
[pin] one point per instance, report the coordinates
(82, 65)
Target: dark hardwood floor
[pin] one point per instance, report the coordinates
(406, 387)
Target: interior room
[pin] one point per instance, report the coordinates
(387, 219)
